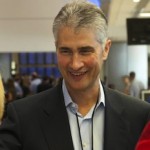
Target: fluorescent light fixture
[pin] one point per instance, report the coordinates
(13, 65)
(136, 1)
(147, 14)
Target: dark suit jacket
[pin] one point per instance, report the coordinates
(40, 122)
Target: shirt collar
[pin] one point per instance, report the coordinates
(69, 101)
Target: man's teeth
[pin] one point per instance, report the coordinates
(77, 73)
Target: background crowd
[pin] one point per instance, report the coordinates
(22, 85)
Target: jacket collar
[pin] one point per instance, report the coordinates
(55, 124)
(54, 121)
(116, 128)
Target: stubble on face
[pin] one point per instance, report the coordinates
(80, 58)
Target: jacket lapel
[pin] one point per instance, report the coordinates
(54, 122)
(116, 130)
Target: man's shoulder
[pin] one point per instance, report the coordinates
(50, 96)
(124, 100)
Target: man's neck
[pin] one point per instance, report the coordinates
(85, 100)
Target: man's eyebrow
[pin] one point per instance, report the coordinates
(86, 47)
(63, 47)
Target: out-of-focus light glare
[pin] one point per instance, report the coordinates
(136, 1)
(13, 65)
(13, 72)
(144, 14)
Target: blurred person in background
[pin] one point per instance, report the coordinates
(18, 88)
(136, 86)
(35, 81)
(126, 82)
(25, 85)
(45, 84)
(79, 113)
(10, 91)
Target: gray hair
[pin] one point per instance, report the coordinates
(82, 14)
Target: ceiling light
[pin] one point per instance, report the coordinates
(144, 14)
(136, 1)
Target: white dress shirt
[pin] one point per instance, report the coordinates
(85, 122)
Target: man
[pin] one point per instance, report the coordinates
(79, 113)
(35, 81)
(135, 86)
(45, 84)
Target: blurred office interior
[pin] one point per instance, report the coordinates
(27, 43)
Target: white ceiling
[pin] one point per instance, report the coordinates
(29, 9)
(118, 11)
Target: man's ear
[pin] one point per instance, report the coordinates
(106, 49)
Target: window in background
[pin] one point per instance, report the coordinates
(31, 58)
(54, 58)
(23, 58)
(48, 58)
(45, 64)
(40, 58)
(49, 72)
(40, 71)
(56, 72)
(23, 70)
(31, 70)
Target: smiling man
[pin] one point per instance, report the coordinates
(79, 113)
(80, 58)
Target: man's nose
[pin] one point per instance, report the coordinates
(76, 62)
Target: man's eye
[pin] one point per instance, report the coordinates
(86, 51)
(65, 51)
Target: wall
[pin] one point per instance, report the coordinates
(26, 35)
(26, 25)
(138, 62)
(149, 67)
(149, 61)
(23, 35)
(123, 59)
(117, 64)
(5, 65)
